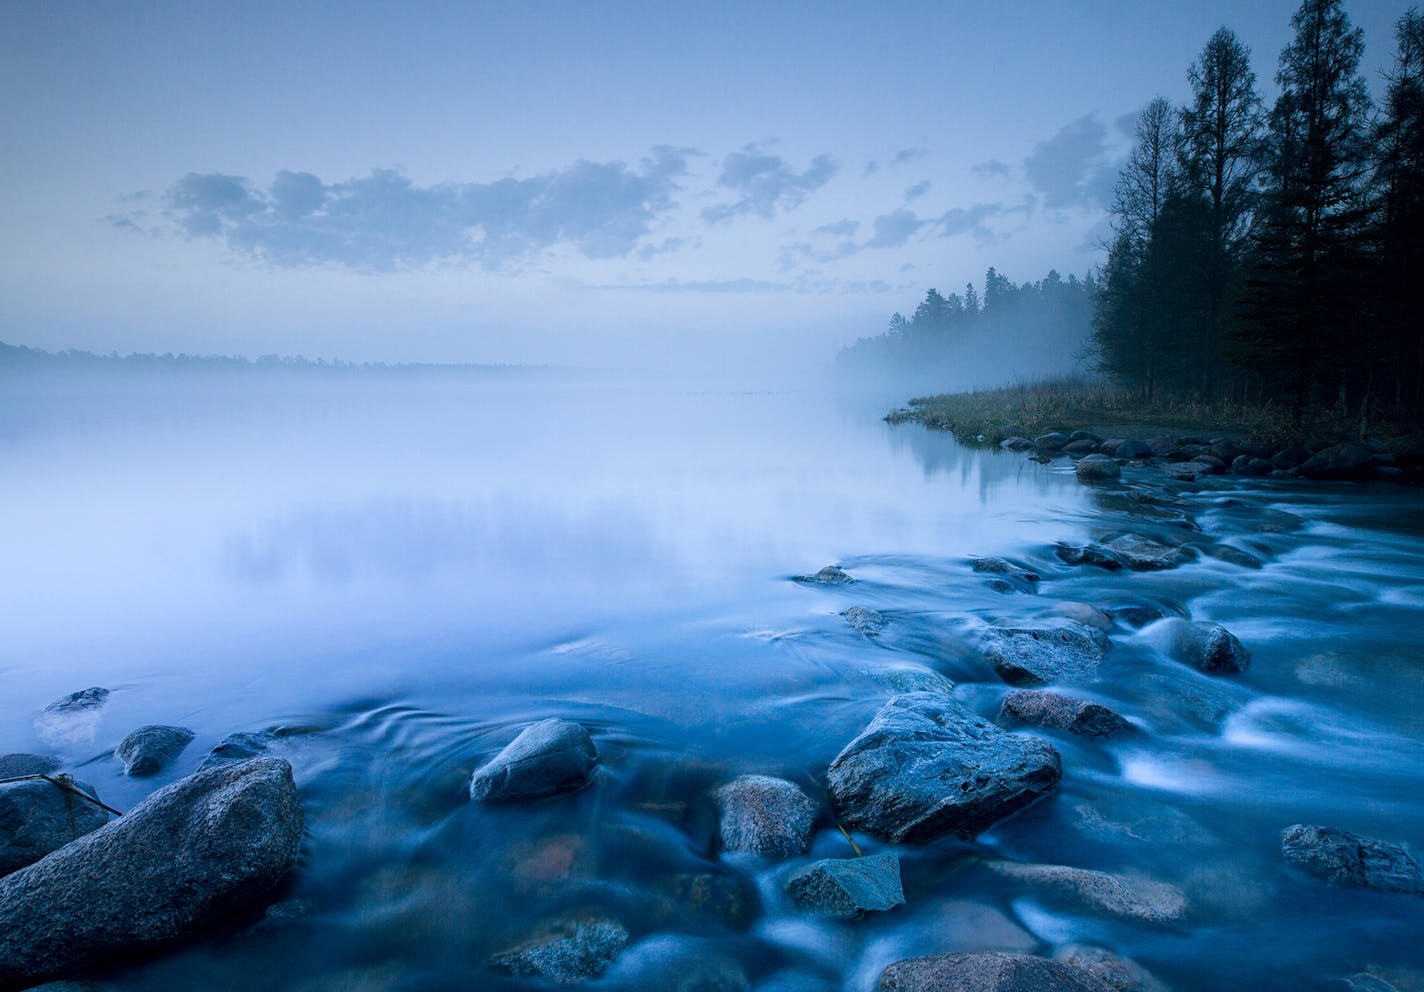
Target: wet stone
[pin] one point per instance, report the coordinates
(1016, 443)
(37, 817)
(566, 951)
(1210, 648)
(831, 575)
(1052, 441)
(927, 767)
(991, 971)
(1038, 655)
(239, 747)
(148, 750)
(1122, 974)
(1347, 859)
(1059, 712)
(1141, 899)
(1090, 554)
(546, 759)
(848, 888)
(71, 720)
(1097, 468)
(16, 765)
(1142, 554)
(867, 621)
(1002, 566)
(766, 816)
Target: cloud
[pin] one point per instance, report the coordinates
(871, 168)
(910, 154)
(842, 228)
(765, 184)
(894, 229)
(1069, 169)
(918, 190)
(991, 169)
(743, 285)
(384, 221)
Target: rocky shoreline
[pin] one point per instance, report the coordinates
(82, 890)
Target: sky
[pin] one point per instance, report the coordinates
(607, 184)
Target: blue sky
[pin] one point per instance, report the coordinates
(619, 183)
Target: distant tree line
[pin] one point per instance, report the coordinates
(1031, 328)
(1275, 253)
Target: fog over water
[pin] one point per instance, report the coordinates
(394, 573)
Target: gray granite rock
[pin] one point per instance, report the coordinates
(547, 758)
(238, 747)
(1056, 711)
(148, 750)
(1097, 468)
(190, 856)
(1142, 554)
(848, 888)
(1038, 655)
(1143, 900)
(990, 971)
(762, 815)
(831, 575)
(869, 622)
(1343, 858)
(1209, 647)
(566, 951)
(1122, 974)
(37, 817)
(927, 767)
(15, 765)
(1089, 554)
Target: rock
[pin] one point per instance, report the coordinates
(1343, 858)
(991, 971)
(1142, 554)
(1120, 973)
(1213, 465)
(975, 926)
(728, 897)
(1084, 435)
(1142, 899)
(547, 758)
(1350, 460)
(1133, 450)
(238, 747)
(1082, 446)
(1002, 566)
(1089, 554)
(869, 622)
(37, 817)
(1084, 613)
(1037, 655)
(1058, 712)
(566, 951)
(848, 888)
(1209, 647)
(1365, 982)
(1052, 441)
(1407, 452)
(762, 815)
(1161, 445)
(1231, 555)
(831, 575)
(1016, 443)
(73, 719)
(1292, 457)
(1250, 466)
(1138, 614)
(926, 767)
(1097, 468)
(678, 964)
(149, 749)
(15, 765)
(192, 855)
(1185, 471)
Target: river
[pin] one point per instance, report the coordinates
(396, 573)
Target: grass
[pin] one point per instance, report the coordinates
(1031, 408)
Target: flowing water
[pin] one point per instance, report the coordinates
(395, 574)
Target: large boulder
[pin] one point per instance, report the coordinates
(762, 815)
(1059, 712)
(37, 817)
(1097, 468)
(1209, 647)
(1037, 655)
(926, 767)
(192, 855)
(1052, 441)
(991, 971)
(848, 888)
(547, 758)
(148, 750)
(18, 764)
(1343, 858)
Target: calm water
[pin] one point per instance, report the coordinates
(397, 575)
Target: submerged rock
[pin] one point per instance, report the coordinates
(149, 749)
(37, 817)
(1002, 566)
(869, 622)
(1210, 647)
(991, 971)
(1343, 858)
(1084, 613)
(848, 888)
(72, 719)
(1143, 899)
(1037, 655)
(831, 575)
(238, 747)
(1089, 554)
(763, 815)
(547, 758)
(678, 964)
(1122, 974)
(1060, 712)
(926, 767)
(190, 856)
(566, 951)
(15, 765)
(1097, 468)
(1142, 554)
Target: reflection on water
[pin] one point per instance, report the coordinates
(394, 577)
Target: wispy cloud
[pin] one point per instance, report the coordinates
(1071, 169)
(910, 154)
(918, 190)
(893, 229)
(765, 184)
(385, 221)
(842, 228)
(991, 169)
